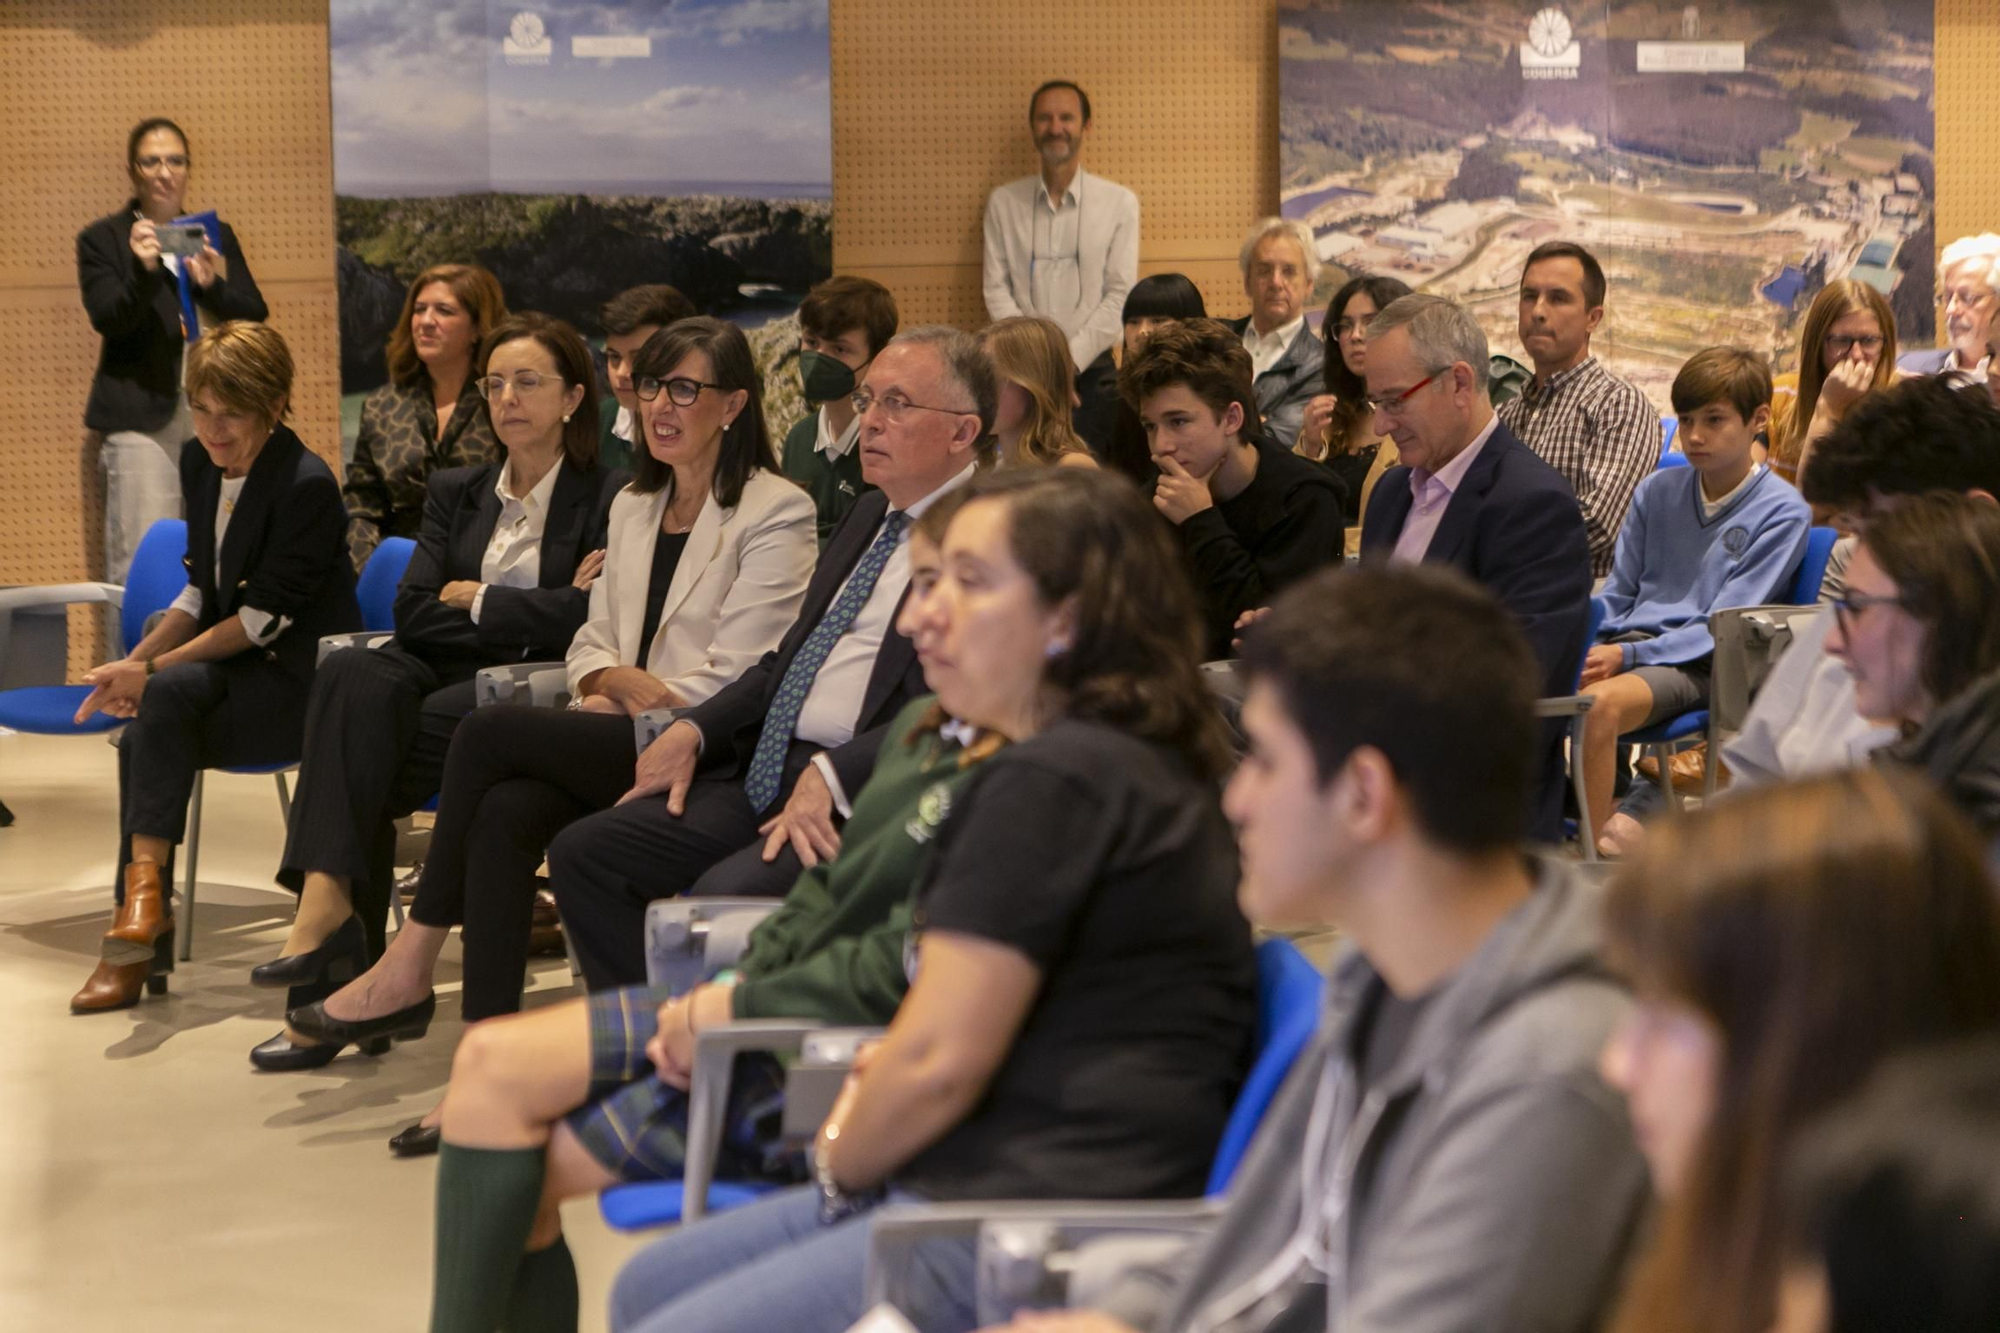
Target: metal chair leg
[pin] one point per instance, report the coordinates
(186, 923)
(1663, 755)
(284, 800)
(1580, 784)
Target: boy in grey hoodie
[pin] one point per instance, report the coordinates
(1444, 1157)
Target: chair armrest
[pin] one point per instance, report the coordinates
(50, 596)
(1567, 705)
(647, 726)
(330, 644)
(537, 684)
(814, 1079)
(895, 1230)
(691, 939)
(715, 1052)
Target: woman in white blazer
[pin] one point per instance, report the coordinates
(706, 563)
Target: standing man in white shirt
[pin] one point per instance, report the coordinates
(1064, 244)
(1280, 265)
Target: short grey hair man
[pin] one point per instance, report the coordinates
(1442, 333)
(1280, 267)
(968, 369)
(1292, 228)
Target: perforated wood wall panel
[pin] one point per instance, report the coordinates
(247, 79)
(1968, 109)
(930, 112)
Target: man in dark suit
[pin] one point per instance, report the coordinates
(1280, 265)
(1471, 495)
(751, 785)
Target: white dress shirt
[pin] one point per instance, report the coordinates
(836, 446)
(1070, 260)
(260, 626)
(1267, 349)
(1053, 274)
(833, 705)
(513, 557)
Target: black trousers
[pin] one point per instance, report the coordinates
(513, 779)
(243, 710)
(607, 869)
(378, 724)
(1098, 403)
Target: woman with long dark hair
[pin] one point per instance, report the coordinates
(1339, 424)
(1154, 301)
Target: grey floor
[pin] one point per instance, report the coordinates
(149, 1178)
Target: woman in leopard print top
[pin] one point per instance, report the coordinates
(429, 415)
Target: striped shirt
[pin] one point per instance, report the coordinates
(1601, 433)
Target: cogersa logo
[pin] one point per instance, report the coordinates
(527, 41)
(1551, 51)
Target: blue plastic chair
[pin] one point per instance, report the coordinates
(1288, 1003)
(1669, 427)
(375, 590)
(1662, 739)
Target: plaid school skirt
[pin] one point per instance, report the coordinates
(635, 1124)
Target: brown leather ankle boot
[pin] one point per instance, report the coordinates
(144, 917)
(110, 987)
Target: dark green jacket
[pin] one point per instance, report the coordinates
(833, 484)
(834, 951)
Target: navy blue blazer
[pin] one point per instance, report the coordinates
(285, 552)
(1514, 527)
(461, 509)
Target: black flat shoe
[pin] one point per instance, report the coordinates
(406, 1024)
(335, 963)
(419, 1140)
(280, 1055)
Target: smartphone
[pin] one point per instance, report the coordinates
(184, 239)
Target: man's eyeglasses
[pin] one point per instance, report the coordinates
(1840, 344)
(680, 392)
(155, 161)
(525, 382)
(1394, 404)
(894, 406)
(1848, 609)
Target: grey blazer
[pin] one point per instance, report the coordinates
(1284, 389)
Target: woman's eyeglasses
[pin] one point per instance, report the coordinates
(680, 392)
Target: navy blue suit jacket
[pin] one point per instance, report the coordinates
(1514, 527)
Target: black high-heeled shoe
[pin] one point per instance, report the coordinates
(342, 958)
(418, 1140)
(281, 1055)
(405, 1024)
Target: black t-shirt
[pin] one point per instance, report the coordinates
(667, 548)
(1107, 862)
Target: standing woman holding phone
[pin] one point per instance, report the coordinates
(139, 296)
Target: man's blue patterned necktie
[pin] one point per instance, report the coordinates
(767, 763)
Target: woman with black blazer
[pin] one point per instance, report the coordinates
(502, 573)
(139, 300)
(710, 550)
(222, 680)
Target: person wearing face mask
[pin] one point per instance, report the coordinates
(222, 679)
(148, 305)
(430, 414)
(1280, 266)
(630, 319)
(1968, 270)
(1064, 244)
(1847, 349)
(1252, 516)
(843, 323)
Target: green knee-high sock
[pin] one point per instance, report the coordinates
(485, 1209)
(545, 1297)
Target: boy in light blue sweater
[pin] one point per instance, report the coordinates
(1723, 531)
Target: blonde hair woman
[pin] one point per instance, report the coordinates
(1037, 394)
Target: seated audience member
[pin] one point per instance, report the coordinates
(1773, 974)
(630, 319)
(599, 1084)
(1103, 956)
(502, 573)
(1253, 517)
(1913, 437)
(1456, 1057)
(1892, 1202)
(1722, 531)
(753, 782)
(1031, 423)
(1338, 429)
(1280, 265)
(1966, 274)
(1847, 348)
(222, 680)
(1153, 303)
(429, 415)
(1596, 429)
(1917, 633)
(707, 558)
(1468, 493)
(843, 323)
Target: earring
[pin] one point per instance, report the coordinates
(566, 418)
(1055, 650)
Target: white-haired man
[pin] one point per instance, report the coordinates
(1280, 265)
(1969, 287)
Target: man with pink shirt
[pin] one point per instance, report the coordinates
(1471, 495)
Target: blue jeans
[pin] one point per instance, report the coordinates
(770, 1265)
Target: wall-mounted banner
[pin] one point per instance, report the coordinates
(1723, 160)
(577, 149)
